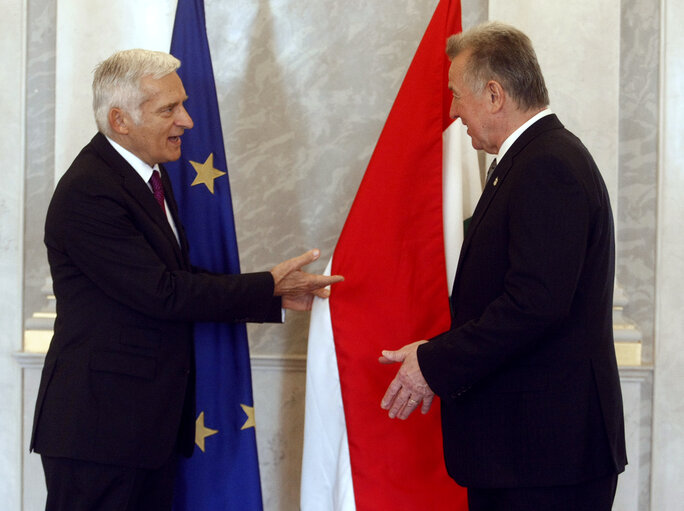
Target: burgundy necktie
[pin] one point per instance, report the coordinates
(158, 189)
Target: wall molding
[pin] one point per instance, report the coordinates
(290, 362)
(297, 363)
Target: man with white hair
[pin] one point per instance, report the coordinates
(116, 403)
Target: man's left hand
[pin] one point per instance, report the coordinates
(409, 388)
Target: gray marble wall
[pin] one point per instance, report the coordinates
(638, 161)
(40, 148)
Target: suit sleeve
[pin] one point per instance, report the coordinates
(547, 221)
(91, 230)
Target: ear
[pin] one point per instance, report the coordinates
(118, 121)
(495, 96)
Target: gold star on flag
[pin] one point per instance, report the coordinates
(202, 432)
(249, 412)
(206, 173)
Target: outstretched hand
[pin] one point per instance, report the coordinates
(298, 288)
(409, 388)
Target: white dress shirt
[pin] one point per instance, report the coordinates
(145, 173)
(516, 134)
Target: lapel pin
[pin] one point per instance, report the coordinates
(496, 182)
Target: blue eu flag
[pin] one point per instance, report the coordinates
(223, 474)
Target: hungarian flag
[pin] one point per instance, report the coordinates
(392, 254)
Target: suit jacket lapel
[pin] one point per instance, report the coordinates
(497, 178)
(138, 189)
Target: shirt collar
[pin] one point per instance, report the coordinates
(142, 168)
(516, 134)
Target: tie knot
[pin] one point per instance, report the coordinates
(156, 178)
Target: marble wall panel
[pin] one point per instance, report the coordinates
(638, 155)
(584, 91)
(33, 488)
(279, 411)
(633, 492)
(668, 429)
(12, 33)
(39, 151)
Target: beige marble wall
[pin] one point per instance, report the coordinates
(668, 424)
(12, 36)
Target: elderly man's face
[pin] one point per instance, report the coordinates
(471, 108)
(156, 139)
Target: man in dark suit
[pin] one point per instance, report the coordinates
(116, 400)
(531, 405)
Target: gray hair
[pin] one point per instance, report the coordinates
(503, 53)
(116, 83)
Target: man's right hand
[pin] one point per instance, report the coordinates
(298, 288)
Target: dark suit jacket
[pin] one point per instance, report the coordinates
(118, 382)
(527, 375)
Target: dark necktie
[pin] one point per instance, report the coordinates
(490, 171)
(158, 189)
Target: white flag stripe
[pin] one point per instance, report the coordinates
(461, 190)
(326, 469)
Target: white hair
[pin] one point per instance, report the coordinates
(116, 83)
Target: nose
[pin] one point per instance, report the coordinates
(183, 119)
(453, 113)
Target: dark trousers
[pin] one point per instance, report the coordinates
(594, 495)
(75, 485)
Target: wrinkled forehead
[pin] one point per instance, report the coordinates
(459, 70)
(167, 87)
(456, 70)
